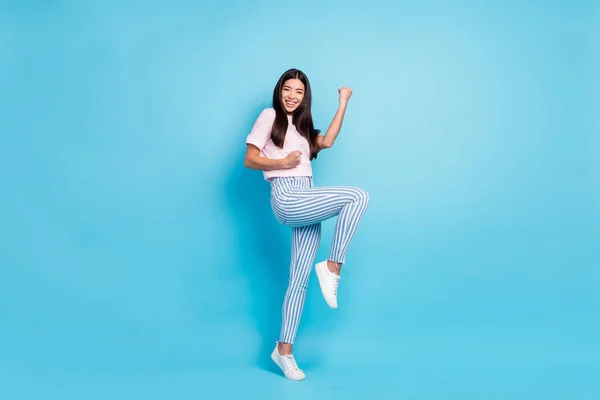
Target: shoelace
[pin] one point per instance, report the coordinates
(290, 362)
(334, 288)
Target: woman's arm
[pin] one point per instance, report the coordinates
(325, 142)
(254, 160)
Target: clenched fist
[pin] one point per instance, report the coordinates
(292, 159)
(345, 93)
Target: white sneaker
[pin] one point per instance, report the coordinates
(288, 365)
(328, 282)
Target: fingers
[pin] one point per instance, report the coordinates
(345, 92)
(294, 158)
(297, 155)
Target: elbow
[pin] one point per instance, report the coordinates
(326, 145)
(248, 163)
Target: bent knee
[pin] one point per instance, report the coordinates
(362, 195)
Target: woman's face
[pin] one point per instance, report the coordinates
(292, 94)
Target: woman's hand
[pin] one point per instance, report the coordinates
(292, 160)
(345, 93)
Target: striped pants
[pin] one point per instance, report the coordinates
(298, 204)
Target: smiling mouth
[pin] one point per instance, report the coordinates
(291, 103)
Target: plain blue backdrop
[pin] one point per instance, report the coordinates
(139, 259)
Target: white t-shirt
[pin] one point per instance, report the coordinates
(260, 136)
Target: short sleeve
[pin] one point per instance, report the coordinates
(261, 131)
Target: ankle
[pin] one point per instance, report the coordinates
(334, 267)
(284, 348)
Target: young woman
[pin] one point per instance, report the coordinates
(282, 144)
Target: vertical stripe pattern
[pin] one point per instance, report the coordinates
(298, 204)
(305, 242)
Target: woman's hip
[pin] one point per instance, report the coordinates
(283, 191)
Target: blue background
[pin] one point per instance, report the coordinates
(139, 259)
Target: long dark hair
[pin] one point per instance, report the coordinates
(302, 117)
